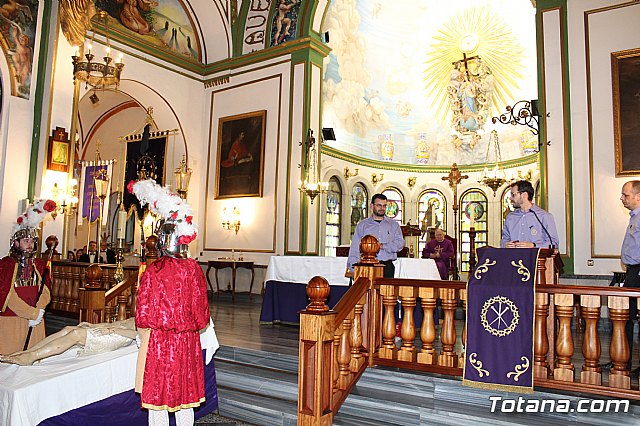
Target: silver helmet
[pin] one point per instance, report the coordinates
(168, 239)
(20, 234)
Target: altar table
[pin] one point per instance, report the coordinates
(70, 390)
(287, 276)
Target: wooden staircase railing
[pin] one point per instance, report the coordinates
(336, 346)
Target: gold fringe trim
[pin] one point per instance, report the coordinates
(173, 409)
(497, 387)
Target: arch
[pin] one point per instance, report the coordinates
(333, 216)
(359, 205)
(472, 200)
(431, 213)
(395, 204)
(505, 205)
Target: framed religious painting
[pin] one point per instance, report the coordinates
(59, 150)
(625, 71)
(240, 159)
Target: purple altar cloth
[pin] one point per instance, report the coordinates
(124, 408)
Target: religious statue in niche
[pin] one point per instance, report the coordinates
(284, 21)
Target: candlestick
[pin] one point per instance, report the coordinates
(122, 224)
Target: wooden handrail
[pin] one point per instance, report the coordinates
(337, 345)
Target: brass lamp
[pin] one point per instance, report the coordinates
(98, 75)
(231, 221)
(182, 176)
(495, 177)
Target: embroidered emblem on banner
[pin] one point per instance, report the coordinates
(481, 269)
(477, 365)
(522, 270)
(499, 316)
(519, 369)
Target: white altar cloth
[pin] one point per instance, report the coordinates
(61, 383)
(300, 269)
(31, 394)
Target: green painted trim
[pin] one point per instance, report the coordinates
(193, 65)
(258, 56)
(238, 31)
(360, 161)
(543, 5)
(43, 53)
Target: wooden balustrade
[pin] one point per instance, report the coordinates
(337, 345)
(68, 278)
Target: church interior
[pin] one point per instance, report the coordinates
(278, 120)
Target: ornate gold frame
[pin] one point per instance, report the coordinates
(625, 74)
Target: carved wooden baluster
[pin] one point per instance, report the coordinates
(109, 312)
(564, 368)
(122, 307)
(619, 348)
(75, 296)
(356, 338)
(427, 354)
(55, 291)
(542, 271)
(336, 366)
(408, 330)
(591, 373)
(541, 338)
(448, 357)
(344, 354)
(463, 298)
(389, 300)
(92, 297)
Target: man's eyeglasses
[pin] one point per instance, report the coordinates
(380, 205)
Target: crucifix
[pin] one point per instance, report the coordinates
(465, 60)
(454, 178)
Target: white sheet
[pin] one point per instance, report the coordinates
(300, 269)
(30, 394)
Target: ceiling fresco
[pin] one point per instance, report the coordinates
(419, 83)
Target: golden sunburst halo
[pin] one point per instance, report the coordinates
(476, 31)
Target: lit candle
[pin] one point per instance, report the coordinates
(120, 58)
(108, 50)
(89, 47)
(122, 224)
(473, 219)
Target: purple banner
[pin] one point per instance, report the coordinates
(500, 320)
(90, 201)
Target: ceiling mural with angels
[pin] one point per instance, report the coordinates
(163, 24)
(419, 84)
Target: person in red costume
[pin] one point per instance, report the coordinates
(440, 250)
(21, 307)
(238, 153)
(171, 309)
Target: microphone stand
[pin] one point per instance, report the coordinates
(45, 275)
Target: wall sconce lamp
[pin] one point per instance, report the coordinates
(349, 174)
(411, 182)
(182, 176)
(66, 200)
(375, 179)
(231, 221)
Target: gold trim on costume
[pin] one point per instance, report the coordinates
(522, 270)
(477, 365)
(483, 268)
(519, 369)
(173, 409)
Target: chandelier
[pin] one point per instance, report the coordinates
(495, 177)
(312, 186)
(98, 75)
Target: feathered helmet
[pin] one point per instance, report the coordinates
(27, 223)
(176, 227)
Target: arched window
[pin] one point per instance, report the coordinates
(506, 206)
(332, 228)
(395, 203)
(359, 205)
(537, 196)
(473, 203)
(432, 208)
